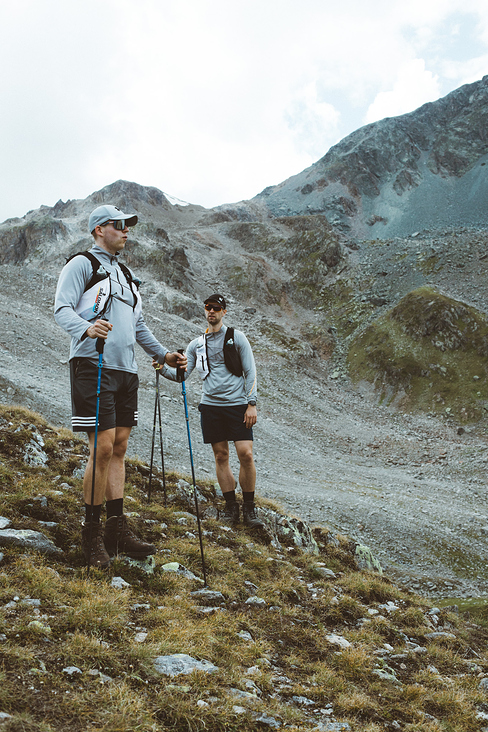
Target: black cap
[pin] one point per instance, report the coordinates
(217, 300)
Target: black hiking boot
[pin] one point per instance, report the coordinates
(230, 514)
(250, 518)
(120, 539)
(93, 545)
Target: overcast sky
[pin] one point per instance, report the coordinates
(211, 100)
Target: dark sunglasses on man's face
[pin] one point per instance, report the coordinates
(119, 224)
(215, 308)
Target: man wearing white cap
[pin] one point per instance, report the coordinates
(98, 298)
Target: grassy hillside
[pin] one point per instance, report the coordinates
(300, 640)
(428, 352)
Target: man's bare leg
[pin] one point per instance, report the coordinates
(105, 445)
(247, 479)
(227, 482)
(116, 469)
(247, 470)
(225, 477)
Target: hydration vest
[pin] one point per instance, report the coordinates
(232, 358)
(97, 293)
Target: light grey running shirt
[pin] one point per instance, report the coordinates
(219, 386)
(128, 323)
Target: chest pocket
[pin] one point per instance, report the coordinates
(202, 358)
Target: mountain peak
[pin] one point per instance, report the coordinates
(421, 170)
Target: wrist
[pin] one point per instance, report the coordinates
(251, 403)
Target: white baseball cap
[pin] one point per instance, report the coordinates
(102, 214)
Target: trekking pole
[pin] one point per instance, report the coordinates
(157, 411)
(99, 345)
(181, 377)
(161, 442)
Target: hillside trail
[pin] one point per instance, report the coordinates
(408, 486)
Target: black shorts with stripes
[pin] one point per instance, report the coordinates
(118, 397)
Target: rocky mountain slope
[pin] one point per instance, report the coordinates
(422, 170)
(344, 437)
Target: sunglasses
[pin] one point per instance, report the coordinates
(215, 308)
(119, 224)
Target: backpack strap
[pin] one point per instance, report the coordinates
(98, 272)
(232, 358)
(133, 283)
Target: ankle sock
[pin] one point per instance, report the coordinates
(248, 496)
(115, 507)
(92, 514)
(230, 497)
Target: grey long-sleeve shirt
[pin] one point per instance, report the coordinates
(220, 387)
(128, 323)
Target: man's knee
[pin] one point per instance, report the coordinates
(221, 455)
(104, 451)
(121, 442)
(245, 454)
(120, 448)
(105, 445)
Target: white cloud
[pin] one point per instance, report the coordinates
(312, 121)
(211, 100)
(413, 87)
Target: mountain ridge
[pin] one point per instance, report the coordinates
(372, 183)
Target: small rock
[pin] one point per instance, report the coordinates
(39, 627)
(386, 675)
(31, 602)
(338, 640)
(268, 721)
(209, 610)
(119, 583)
(243, 694)
(181, 663)
(147, 565)
(34, 454)
(181, 570)
(325, 572)
(208, 597)
(29, 540)
(365, 559)
(245, 635)
(72, 671)
(303, 701)
(256, 601)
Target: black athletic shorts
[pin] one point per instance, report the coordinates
(118, 397)
(224, 424)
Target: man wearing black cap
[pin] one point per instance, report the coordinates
(98, 297)
(228, 406)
